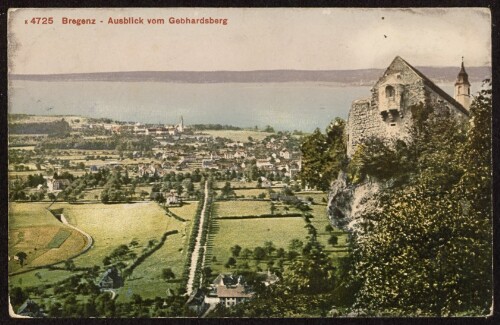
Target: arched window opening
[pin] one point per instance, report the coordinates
(389, 92)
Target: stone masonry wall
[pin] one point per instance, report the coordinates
(364, 121)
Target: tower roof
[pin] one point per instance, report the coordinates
(463, 77)
(429, 83)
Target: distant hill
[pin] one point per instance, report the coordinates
(361, 77)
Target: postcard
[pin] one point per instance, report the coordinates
(249, 162)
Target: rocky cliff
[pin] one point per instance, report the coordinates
(347, 202)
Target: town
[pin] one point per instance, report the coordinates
(128, 212)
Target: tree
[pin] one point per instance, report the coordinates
(235, 250)
(246, 253)
(230, 262)
(167, 274)
(17, 296)
(333, 240)
(426, 250)
(273, 208)
(259, 253)
(69, 265)
(269, 247)
(295, 244)
(143, 194)
(323, 155)
(22, 256)
(227, 190)
(313, 273)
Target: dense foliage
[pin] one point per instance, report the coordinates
(427, 250)
(323, 156)
(59, 128)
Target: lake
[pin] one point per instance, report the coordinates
(285, 106)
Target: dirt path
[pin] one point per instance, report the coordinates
(196, 252)
(90, 241)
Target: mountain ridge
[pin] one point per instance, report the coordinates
(349, 77)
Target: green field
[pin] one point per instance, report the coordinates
(59, 238)
(36, 232)
(237, 135)
(117, 224)
(236, 184)
(251, 192)
(320, 221)
(111, 226)
(250, 233)
(146, 279)
(242, 208)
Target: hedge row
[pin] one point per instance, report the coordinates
(128, 271)
(173, 215)
(264, 216)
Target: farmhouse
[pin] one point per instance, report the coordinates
(110, 279)
(31, 309)
(229, 290)
(172, 198)
(387, 113)
(57, 184)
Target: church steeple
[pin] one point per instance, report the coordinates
(462, 87)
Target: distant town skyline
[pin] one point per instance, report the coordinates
(252, 39)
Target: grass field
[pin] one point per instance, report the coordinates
(237, 135)
(236, 184)
(37, 277)
(242, 208)
(320, 221)
(59, 238)
(36, 232)
(251, 192)
(250, 233)
(117, 224)
(317, 196)
(146, 279)
(111, 226)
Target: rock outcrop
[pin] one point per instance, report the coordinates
(347, 203)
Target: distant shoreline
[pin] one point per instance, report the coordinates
(362, 77)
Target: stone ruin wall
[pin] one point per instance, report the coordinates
(365, 121)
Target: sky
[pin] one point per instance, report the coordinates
(253, 39)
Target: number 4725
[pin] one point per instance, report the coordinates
(42, 20)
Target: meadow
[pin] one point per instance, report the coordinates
(120, 224)
(238, 135)
(250, 233)
(36, 232)
(242, 208)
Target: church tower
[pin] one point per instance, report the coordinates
(180, 127)
(462, 88)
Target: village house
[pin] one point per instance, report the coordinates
(31, 309)
(110, 279)
(284, 153)
(265, 182)
(209, 164)
(57, 184)
(263, 164)
(172, 198)
(239, 154)
(228, 290)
